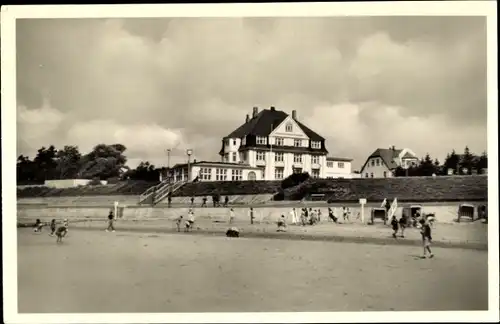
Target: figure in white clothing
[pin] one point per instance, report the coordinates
(293, 213)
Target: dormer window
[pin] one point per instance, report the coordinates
(289, 127)
(261, 140)
(315, 144)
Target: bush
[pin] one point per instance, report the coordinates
(294, 180)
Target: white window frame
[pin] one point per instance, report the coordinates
(260, 156)
(289, 127)
(279, 141)
(385, 174)
(233, 157)
(221, 174)
(329, 164)
(261, 140)
(340, 165)
(279, 157)
(205, 174)
(236, 174)
(297, 158)
(377, 162)
(314, 159)
(279, 173)
(315, 173)
(297, 143)
(316, 144)
(373, 163)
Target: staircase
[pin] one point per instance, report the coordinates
(157, 193)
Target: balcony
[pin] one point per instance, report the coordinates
(315, 166)
(279, 163)
(298, 164)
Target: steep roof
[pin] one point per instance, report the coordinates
(265, 122)
(387, 156)
(408, 155)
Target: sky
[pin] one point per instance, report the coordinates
(152, 84)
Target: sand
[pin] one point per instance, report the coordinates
(95, 271)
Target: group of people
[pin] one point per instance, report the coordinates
(313, 216)
(188, 224)
(60, 231)
(422, 222)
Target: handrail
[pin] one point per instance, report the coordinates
(151, 190)
(174, 186)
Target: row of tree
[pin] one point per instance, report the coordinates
(460, 164)
(107, 162)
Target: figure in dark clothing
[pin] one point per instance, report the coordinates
(394, 224)
(226, 201)
(402, 224)
(192, 201)
(204, 202)
(169, 199)
(331, 215)
(252, 217)
(426, 238)
(52, 227)
(111, 219)
(38, 225)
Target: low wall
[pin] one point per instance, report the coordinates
(445, 212)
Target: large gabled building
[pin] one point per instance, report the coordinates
(383, 162)
(279, 145)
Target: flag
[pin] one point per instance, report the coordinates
(383, 203)
(394, 207)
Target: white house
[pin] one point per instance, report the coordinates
(278, 144)
(383, 162)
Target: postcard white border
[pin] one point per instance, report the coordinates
(424, 8)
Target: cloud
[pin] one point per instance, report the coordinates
(153, 83)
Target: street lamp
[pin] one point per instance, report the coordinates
(168, 165)
(189, 152)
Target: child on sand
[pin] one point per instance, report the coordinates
(62, 231)
(111, 219)
(178, 223)
(52, 227)
(282, 224)
(38, 225)
(331, 215)
(231, 216)
(402, 224)
(394, 224)
(426, 238)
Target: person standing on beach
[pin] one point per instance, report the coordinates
(111, 219)
(402, 224)
(294, 216)
(394, 224)
(252, 216)
(425, 231)
(231, 216)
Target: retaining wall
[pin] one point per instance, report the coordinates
(445, 212)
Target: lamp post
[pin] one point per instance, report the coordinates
(168, 165)
(189, 152)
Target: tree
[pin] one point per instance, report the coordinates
(482, 163)
(68, 162)
(437, 167)
(103, 162)
(426, 166)
(45, 163)
(451, 162)
(145, 171)
(467, 161)
(25, 170)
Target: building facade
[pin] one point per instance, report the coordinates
(214, 171)
(278, 144)
(383, 162)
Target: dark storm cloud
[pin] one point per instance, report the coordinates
(188, 82)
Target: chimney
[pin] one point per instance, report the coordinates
(294, 114)
(247, 119)
(272, 108)
(194, 161)
(393, 148)
(255, 111)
